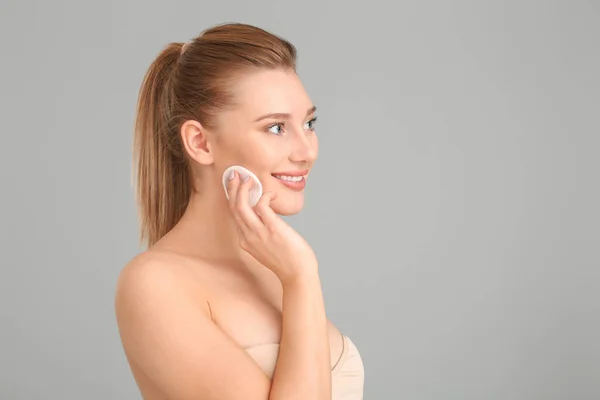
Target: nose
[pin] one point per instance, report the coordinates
(304, 147)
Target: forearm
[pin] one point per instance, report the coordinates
(303, 368)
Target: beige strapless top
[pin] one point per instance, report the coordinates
(347, 375)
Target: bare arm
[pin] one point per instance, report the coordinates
(172, 339)
(303, 368)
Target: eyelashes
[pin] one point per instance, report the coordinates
(278, 128)
(312, 123)
(273, 128)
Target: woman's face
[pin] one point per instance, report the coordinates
(271, 133)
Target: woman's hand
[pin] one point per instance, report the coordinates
(266, 237)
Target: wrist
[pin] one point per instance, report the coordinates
(300, 277)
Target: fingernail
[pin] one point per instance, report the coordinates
(246, 178)
(231, 175)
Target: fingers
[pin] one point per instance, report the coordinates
(264, 210)
(238, 192)
(243, 208)
(232, 192)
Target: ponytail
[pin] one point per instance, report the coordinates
(163, 185)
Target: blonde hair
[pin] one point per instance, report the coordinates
(190, 81)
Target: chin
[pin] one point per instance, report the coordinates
(288, 205)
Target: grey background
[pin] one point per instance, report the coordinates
(454, 207)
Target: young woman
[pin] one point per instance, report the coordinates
(226, 302)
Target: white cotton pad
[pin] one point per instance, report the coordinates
(255, 190)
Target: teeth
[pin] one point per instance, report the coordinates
(289, 178)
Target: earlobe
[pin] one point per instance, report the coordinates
(195, 141)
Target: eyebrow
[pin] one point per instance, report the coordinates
(283, 115)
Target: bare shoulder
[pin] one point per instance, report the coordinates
(151, 265)
(145, 271)
(169, 336)
(155, 261)
(151, 275)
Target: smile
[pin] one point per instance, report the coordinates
(289, 178)
(292, 180)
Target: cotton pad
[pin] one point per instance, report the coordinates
(256, 189)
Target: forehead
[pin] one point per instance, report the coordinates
(271, 91)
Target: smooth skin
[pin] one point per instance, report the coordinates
(229, 276)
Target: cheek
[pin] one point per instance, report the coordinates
(314, 141)
(257, 154)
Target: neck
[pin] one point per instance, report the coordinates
(207, 229)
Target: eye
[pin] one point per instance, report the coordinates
(276, 129)
(310, 125)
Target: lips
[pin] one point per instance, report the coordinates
(294, 180)
(289, 178)
(291, 173)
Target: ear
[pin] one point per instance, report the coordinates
(195, 140)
